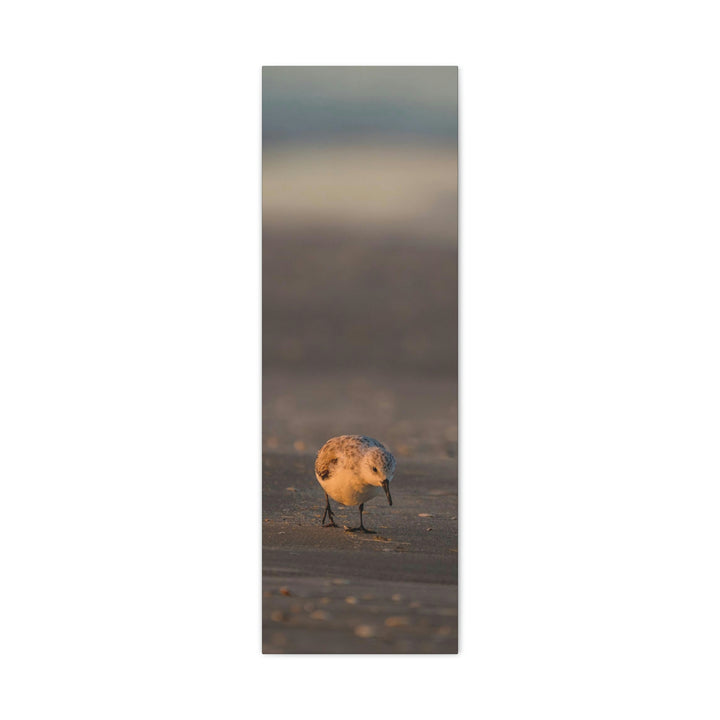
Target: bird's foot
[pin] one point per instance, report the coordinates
(330, 524)
(362, 528)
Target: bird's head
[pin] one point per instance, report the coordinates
(378, 469)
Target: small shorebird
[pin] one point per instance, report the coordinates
(351, 469)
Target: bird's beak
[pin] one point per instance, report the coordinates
(386, 488)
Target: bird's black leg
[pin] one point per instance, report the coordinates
(362, 528)
(328, 513)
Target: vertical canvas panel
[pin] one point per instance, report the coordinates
(359, 283)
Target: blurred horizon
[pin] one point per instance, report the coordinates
(361, 152)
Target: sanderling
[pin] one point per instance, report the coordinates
(351, 469)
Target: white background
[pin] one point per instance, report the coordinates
(130, 359)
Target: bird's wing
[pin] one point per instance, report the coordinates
(323, 464)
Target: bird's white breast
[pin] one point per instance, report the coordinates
(346, 487)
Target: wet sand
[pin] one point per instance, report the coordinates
(338, 301)
(330, 591)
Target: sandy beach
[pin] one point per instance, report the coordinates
(340, 359)
(329, 591)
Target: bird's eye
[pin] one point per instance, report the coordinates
(374, 469)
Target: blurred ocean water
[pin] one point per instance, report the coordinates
(325, 104)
